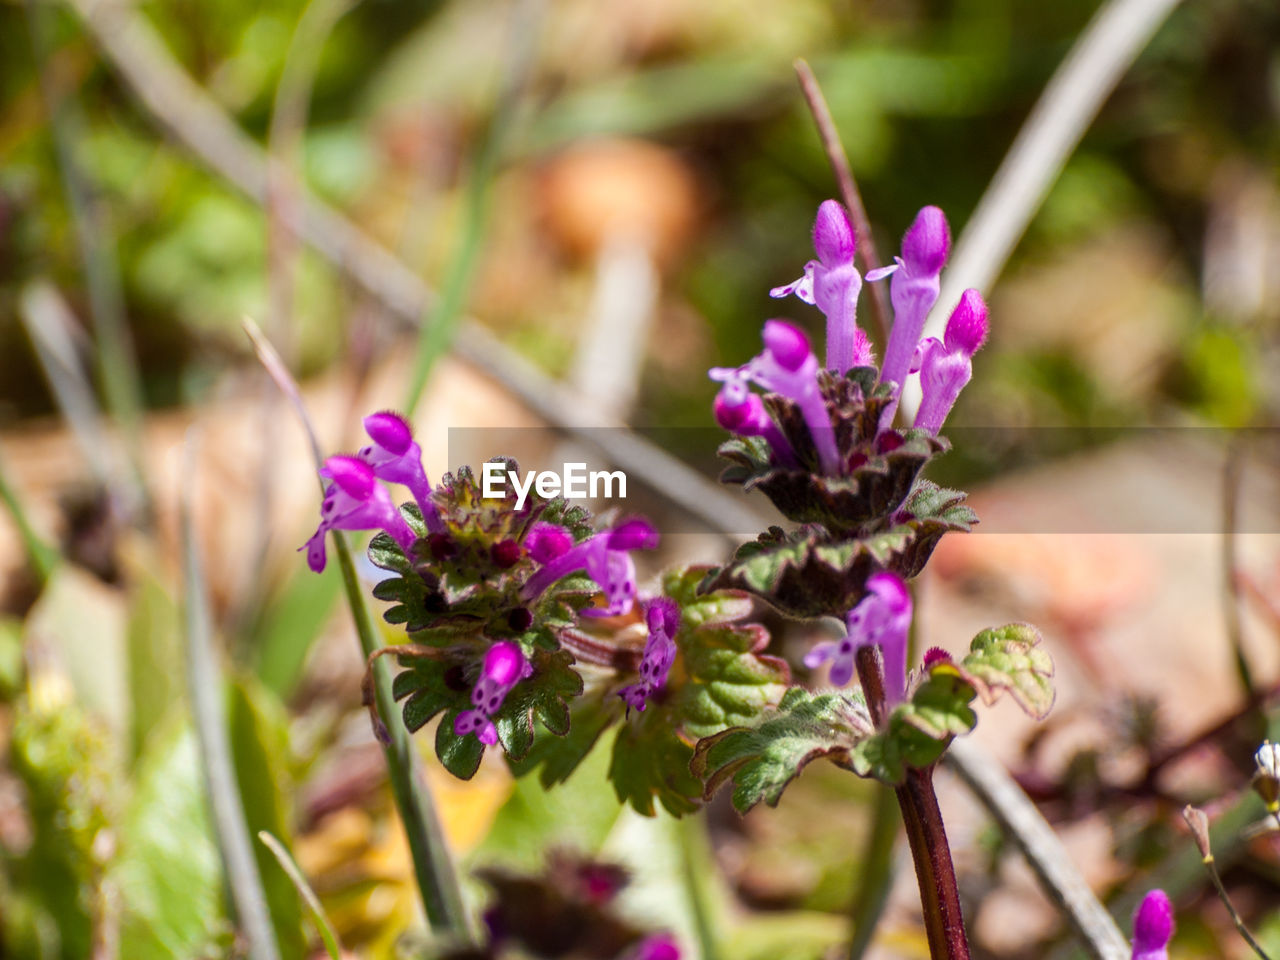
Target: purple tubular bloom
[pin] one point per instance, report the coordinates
(882, 618)
(788, 366)
(833, 283)
(946, 366)
(504, 667)
(663, 618)
(742, 412)
(355, 501)
(1153, 927)
(606, 559)
(913, 289)
(397, 458)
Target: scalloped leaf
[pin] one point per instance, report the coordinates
(1009, 659)
(762, 760)
(808, 573)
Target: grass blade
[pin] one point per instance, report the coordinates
(42, 557)
(437, 335)
(290, 867)
(205, 680)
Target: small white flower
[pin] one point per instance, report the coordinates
(1268, 760)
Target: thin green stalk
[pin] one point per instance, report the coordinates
(204, 677)
(432, 863)
(875, 874)
(42, 557)
(1236, 919)
(695, 849)
(439, 329)
(294, 873)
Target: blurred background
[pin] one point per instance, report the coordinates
(590, 199)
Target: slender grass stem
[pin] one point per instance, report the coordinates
(437, 334)
(204, 678)
(42, 557)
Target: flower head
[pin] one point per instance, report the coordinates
(605, 557)
(882, 618)
(396, 458)
(663, 619)
(913, 289)
(354, 500)
(946, 365)
(504, 666)
(1153, 927)
(833, 283)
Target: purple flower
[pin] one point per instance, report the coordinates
(882, 618)
(547, 541)
(787, 366)
(663, 618)
(606, 559)
(913, 289)
(742, 412)
(397, 458)
(946, 365)
(504, 667)
(656, 946)
(355, 501)
(1153, 927)
(832, 283)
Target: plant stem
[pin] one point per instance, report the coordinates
(927, 836)
(1212, 869)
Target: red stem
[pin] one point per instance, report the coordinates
(926, 834)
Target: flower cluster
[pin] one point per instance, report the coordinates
(477, 568)
(789, 368)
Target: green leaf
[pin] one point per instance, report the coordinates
(720, 679)
(308, 896)
(557, 757)
(1010, 659)
(167, 871)
(761, 760)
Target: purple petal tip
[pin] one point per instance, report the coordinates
(891, 589)
(1152, 923)
(833, 237)
(504, 663)
(636, 533)
(390, 431)
(663, 616)
(352, 474)
(967, 327)
(927, 243)
(787, 343)
(547, 541)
